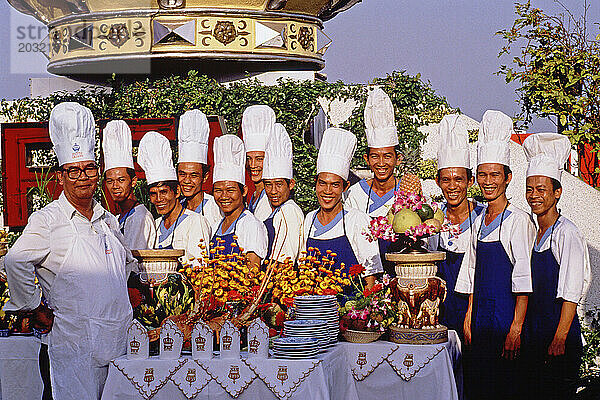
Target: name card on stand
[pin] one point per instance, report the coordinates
(171, 341)
(229, 341)
(202, 341)
(258, 339)
(138, 343)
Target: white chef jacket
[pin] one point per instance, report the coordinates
(456, 244)
(288, 223)
(187, 233)
(251, 234)
(357, 222)
(518, 235)
(43, 246)
(210, 210)
(263, 208)
(138, 228)
(571, 253)
(358, 197)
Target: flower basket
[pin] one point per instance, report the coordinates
(353, 336)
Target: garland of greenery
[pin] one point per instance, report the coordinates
(295, 104)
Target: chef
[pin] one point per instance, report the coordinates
(375, 195)
(332, 226)
(76, 250)
(284, 225)
(192, 169)
(560, 269)
(239, 230)
(135, 221)
(454, 177)
(177, 227)
(496, 270)
(258, 123)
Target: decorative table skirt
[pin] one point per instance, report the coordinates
(19, 368)
(385, 370)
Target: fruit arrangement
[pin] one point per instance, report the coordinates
(411, 216)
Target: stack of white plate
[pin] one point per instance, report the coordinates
(295, 347)
(311, 328)
(320, 307)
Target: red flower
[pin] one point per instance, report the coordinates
(288, 302)
(367, 292)
(273, 332)
(279, 318)
(234, 295)
(376, 288)
(329, 292)
(356, 269)
(135, 297)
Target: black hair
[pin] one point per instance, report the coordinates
(396, 148)
(173, 185)
(469, 174)
(556, 184)
(507, 171)
(131, 173)
(205, 169)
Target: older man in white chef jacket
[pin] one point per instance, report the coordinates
(76, 250)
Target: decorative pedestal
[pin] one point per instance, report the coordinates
(157, 264)
(418, 293)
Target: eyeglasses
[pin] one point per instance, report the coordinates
(90, 171)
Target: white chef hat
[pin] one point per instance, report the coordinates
(230, 159)
(116, 145)
(192, 137)
(278, 155)
(72, 132)
(453, 148)
(494, 137)
(156, 158)
(380, 120)
(336, 151)
(547, 153)
(258, 123)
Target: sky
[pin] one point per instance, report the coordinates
(452, 43)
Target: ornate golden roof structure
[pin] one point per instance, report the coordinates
(103, 36)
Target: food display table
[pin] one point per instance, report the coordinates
(347, 371)
(19, 368)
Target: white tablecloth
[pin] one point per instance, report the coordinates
(19, 368)
(429, 375)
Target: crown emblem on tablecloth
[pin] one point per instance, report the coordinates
(135, 346)
(103, 36)
(227, 341)
(253, 345)
(168, 343)
(200, 343)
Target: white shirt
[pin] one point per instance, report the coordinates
(518, 234)
(43, 246)
(288, 223)
(210, 210)
(138, 228)
(358, 197)
(190, 230)
(571, 253)
(357, 222)
(251, 234)
(456, 244)
(263, 208)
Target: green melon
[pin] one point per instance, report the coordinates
(439, 215)
(425, 212)
(405, 219)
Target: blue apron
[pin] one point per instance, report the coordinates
(454, 308)
(124, 217)
(339, 245)
(271, 231)
(543, 316)
(490, 376)
(253, 204)
(170, 231)
(228, 238)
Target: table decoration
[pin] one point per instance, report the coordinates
(202, 341)
(138, 343)
(229, 341)
(171, 341)
(258, 339)
(416, 290)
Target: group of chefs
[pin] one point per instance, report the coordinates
(513, 288)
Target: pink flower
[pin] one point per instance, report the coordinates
(364, 314)
(353, 313)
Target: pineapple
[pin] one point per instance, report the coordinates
(409, 169)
